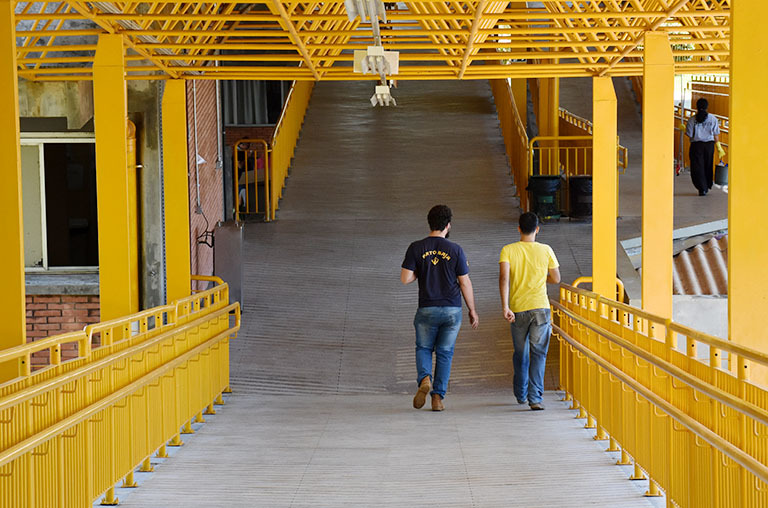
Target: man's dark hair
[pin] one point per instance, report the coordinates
(701, 109)
(529, 221)
(439, 217)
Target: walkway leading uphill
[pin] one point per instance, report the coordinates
(323, 370)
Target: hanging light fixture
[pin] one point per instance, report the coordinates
(382, 97)
(374, 60)
(366, 9)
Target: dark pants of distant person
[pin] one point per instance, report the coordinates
(702, 154)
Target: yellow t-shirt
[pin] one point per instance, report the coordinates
(529, 263)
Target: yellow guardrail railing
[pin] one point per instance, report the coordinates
(515, 137)
(254, 153)
(556, 155)
(286, 136)
(697, 427)
(573, 125)
(588, 280)
(71, 430)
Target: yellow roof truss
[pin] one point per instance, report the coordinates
(287, 39)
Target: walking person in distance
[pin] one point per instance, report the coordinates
(703, 130)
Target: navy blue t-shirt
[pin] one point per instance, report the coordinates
(437, 263)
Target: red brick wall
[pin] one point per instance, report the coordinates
(54, 314)
(211, 180)
(233, 134)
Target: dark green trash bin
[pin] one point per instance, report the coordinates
(544, 191)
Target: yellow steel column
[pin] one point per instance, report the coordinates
(13, 324)
(658, 178)
(542, 107)
(553, 103)
(604, 185)
(748, 185)
(176, 190)
(118, 263)
(520, 93)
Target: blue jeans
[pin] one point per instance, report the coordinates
(436, 332)
(530, 335)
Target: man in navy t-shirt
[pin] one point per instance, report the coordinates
(442, 270)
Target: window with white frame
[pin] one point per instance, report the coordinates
(59, 199)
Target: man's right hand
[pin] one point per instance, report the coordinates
(509, 315)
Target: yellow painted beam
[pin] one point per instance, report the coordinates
(287, 24)
(748, 182)
(553, 106)
(519, 88)
(471, 38)
(176, 190)
(604, 187)
(542, 107)
(13, 323)
(671, 11)
(658, 178)
(118, 266)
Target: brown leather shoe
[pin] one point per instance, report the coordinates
(437, 402)
(421, 396)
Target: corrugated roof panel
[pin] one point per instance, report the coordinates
(702, 269)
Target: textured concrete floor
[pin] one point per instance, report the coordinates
(323, 370)
(278, 451)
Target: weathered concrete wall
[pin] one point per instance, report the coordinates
(144, 111)
(70, 99)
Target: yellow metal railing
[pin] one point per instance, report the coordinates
(573, 125)
(247, 180)
(70, 431)
(693, 423)
(560, 155)
(515, 137)
(588, 280)
(286, 136)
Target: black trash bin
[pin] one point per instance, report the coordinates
(544, 190)
(580, 194)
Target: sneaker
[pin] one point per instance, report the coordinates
(437, 402)
(521, 401)
(421, 396)
(537, 406)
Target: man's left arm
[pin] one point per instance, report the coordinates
(553, 268)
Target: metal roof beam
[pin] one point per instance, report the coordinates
(288, 25)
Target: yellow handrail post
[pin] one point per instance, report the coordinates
(12, 298)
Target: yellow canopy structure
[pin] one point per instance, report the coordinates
(437, 39)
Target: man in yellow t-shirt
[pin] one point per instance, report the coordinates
(525, 267)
